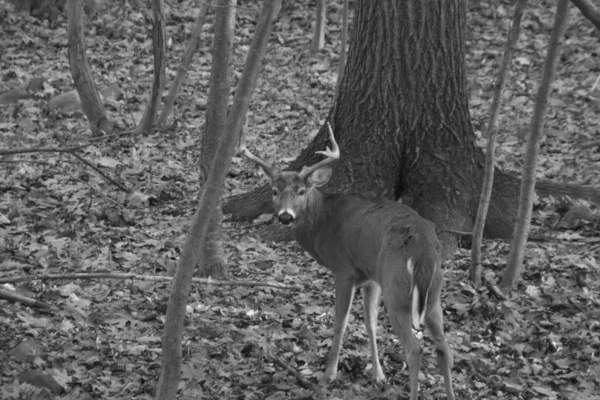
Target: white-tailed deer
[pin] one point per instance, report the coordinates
(382, 246)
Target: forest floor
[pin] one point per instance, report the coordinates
(101, 338)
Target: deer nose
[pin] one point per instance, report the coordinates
(286, 218)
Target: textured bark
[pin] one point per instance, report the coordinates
(344, 44)
(402, 122)
(318, 41)
(589, 10)
(193, 253)
(80, 69)
(402, 118)
(215, 265)
(215, 255)
(159, 46)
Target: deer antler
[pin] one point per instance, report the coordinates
(268, 168)
(332, 155)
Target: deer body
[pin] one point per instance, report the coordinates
(382, 246)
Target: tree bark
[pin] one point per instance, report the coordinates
(159, 46)
(190, 49)
(209, 197)
(589, 10)
(490, 155)
(402, 119)
(214, 254)
(344, 44)
(517, 248)
(318, 41)
(80, 69)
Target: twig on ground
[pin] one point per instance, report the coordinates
(44, 150)
(590, 145)
(157, 278)
(22, 160)
(302, 381)
(494, 288)
(90, 142)
(92, 166)
(28, 301)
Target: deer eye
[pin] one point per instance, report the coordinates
(301, 192)
(275, 192)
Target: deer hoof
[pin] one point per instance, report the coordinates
(329, 376)
(378, 376)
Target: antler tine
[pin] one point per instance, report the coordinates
(268, 168)
(332, 155)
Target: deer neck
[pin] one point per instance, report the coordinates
(312, 219)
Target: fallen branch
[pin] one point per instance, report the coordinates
(23, 160)
(590, 145)
(65, 149)
(28, 301)
(156, 278)
(102, 174)
(43, 150)
(302, 381)
(491, 285)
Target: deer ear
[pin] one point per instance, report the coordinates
(319, 177)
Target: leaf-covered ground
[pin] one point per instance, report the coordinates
(102, 339)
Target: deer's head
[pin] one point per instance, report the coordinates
(292, 190)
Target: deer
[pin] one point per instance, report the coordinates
(383, 246)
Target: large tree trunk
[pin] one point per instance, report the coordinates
(403, 122)
(403, 101)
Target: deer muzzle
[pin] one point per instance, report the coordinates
(286, 217)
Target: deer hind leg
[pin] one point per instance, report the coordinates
(399, 312)
(371, 294)
(435, 324)
(344, 293)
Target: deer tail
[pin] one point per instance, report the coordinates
(418, 297)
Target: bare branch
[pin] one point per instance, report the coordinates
(28, 301)
(303, 382)
(490, 157)
(139, 277)
(589, 10)
(523, 223)
(44, 150)
(185, 63)
(102, 174)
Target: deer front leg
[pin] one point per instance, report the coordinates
(371, 293)
(344, 293)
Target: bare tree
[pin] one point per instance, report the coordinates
(226, 130)
(318, 40)
(490, 156)
(80, 69)
(404, 128)
(209, 196)
(343, 52)
(192, 45)
(146, 125)
(589, 10)
(517, 248)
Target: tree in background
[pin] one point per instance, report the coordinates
(402, 121)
